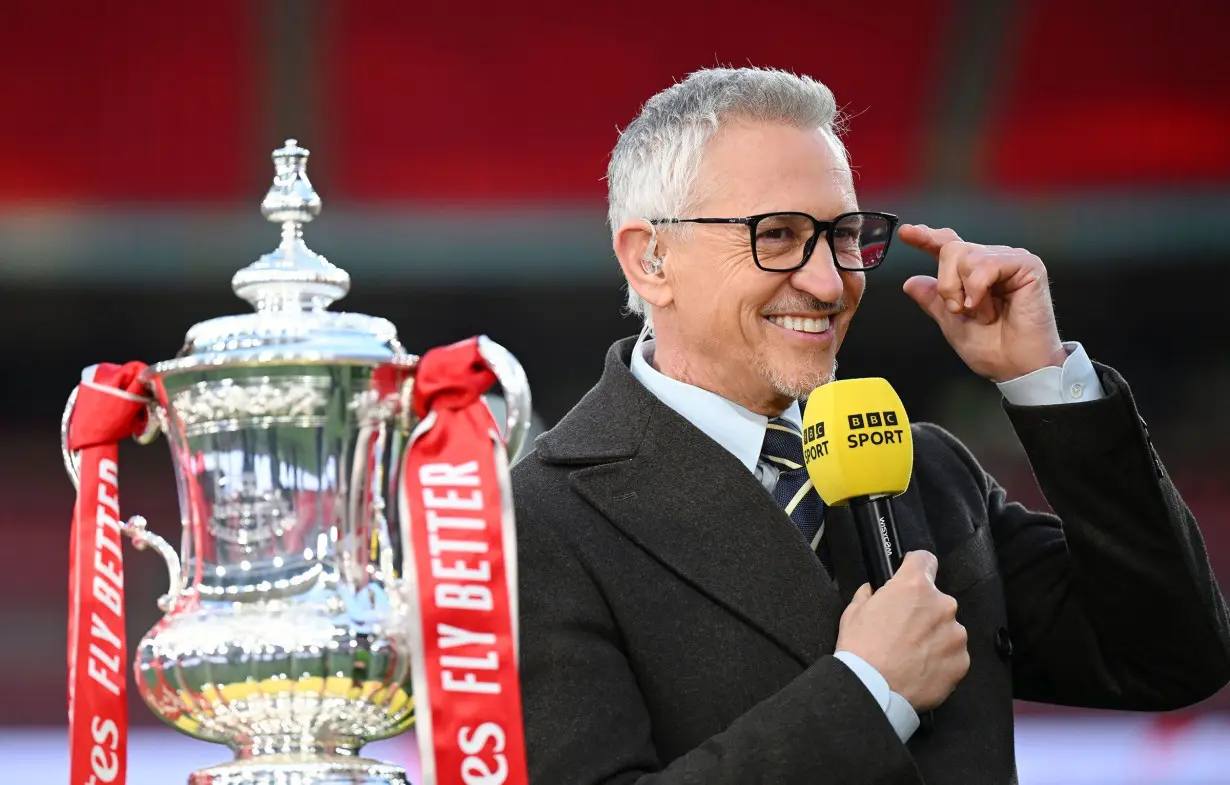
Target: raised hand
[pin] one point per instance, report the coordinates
(992, 303)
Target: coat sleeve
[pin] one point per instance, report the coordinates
(586, 722)
(1111, 601)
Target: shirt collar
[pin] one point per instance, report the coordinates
(737, 429)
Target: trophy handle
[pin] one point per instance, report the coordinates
(517, 401)
(141, 539)
(72, 459)
(134, 527)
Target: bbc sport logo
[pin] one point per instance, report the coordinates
(874, 428)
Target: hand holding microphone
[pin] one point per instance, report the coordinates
(908, 631)
(859, 453)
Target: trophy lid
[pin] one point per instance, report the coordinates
(290, 289)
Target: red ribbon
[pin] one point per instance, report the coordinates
(457, 507)
(110, 406)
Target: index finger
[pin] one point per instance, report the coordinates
(924, 238)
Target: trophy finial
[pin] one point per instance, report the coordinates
(293, 276)
(291, 197)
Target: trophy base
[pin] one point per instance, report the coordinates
(305, 769)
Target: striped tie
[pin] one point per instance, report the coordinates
(783, 446)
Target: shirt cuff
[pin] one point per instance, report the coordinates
(900, 713)
(1076, 381)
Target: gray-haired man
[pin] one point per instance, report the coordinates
(680, 617)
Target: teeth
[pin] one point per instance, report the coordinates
(800, 324)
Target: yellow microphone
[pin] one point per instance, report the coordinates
(859, 453)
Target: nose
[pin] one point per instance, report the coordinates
(820, 277)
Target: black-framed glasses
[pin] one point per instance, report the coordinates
(783, 242)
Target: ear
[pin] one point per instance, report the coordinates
(639, 248)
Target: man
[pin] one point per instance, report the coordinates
(691, 613)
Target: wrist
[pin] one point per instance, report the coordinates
(1058, 357)
(1055, 359)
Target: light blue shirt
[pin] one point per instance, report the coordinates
(741, 432)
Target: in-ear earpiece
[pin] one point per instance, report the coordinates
(649, 262)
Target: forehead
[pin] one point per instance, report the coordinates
(751, 168)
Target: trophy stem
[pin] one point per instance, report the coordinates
(292, 233)
(301, 769)
(269, 748)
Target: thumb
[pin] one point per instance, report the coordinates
(924, 560)
(925, 290)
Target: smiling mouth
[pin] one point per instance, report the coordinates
(802, 324)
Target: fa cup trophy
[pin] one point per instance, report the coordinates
(348, 561)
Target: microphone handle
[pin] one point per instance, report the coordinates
(877, 534)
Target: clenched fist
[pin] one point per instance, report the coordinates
(908, 631)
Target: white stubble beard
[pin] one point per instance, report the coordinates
(795, 385)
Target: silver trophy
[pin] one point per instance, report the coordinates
(286, 633)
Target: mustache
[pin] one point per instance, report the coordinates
(804, 303)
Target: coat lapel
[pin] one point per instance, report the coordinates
(691, 505)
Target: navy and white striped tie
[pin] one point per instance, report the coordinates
(783, 446)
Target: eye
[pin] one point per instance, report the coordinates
(775, 234)
(785, 230)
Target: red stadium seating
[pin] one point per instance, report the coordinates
(506, 103)
(130, 102)
(509, 102)
(1114, 94)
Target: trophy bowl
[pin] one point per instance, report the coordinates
(286, 632)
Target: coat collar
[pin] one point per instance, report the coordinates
(739, 430)
(607, 424)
